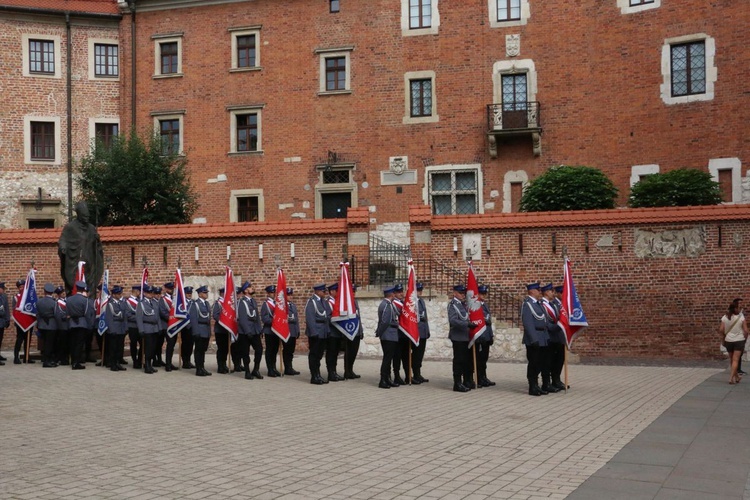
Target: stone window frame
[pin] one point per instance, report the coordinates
(735, 166)
(666, 69)
(92, 43)
(256, 109)
(245, 31)
(432, 30)
(245, 193)
(333, 53)
(626, 8)
(419, 75)
(57, 160)
(167, 38)
(514, 66)
(171, 115)
(638, 171)
(428, 171)
(56, 40)
(94, 121)
(322, 188)
(494, 23)
(511, 177)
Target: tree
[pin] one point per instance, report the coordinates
(131, 182)
(677, 188)
(566, 187)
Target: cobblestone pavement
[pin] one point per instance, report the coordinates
(99, 434)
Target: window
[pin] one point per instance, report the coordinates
(688, 69)
(420, 14)
(728, 173)
(246, 205)
(245, 129)
(504, 13)
(336, 190)
(638, 172)
(105, 133)
(419, 17)
(168, 55)
(420, 102)
(513, 184)
(42, 57)
(421, 97)
(42, 141)
(41, 224)
(633, 6)
(333, 6)
(169, 130)
(247, 209)
(335, 72)
(106, 61)
(453, 191)
(246, 51)
(634, 3)
(245, 48)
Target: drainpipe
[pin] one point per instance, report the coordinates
(131, 6)
(69, 85)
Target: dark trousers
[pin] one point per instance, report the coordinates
(400, 346)
(136, 345)
(557, 360)
(535, 355)
(272, 350)
(390, 349)
(288, 352)
(483, 354)
(48, 352)
(114, 345)
(186, 335)
(149, 342)
(417, 355)
(20, 342)
(317, 348)
(62, 347)
(159, 344)
(545, 367)
(350, 354)
(171, 342)
(222, 346)
(333, 345)
(462, 363)
(201, 346)
(244, 343)
(235, 352)
(2, 334)
(89, 344)
(77, 339)
(405, 348)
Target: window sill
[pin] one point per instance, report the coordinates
(433, 30)
(509, 23)
(246, 153)
(105, 78)
(245, 70)
(415, 120)
(43, 75)
(51, 161)
(334, 92)
(170, 75)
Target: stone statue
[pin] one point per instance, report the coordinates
(80, 241)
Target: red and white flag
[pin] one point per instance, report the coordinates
(228, 315)
(474, 306)
(280, 325)
(24, 314)
(144, 282)
(344, 317)
(408, 320)
(572, 319)
(80, 275)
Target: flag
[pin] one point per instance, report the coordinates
(474, 306)
(344, 317)
(144, 282)
(280, 325)
(408, 320)
(572, 318)
(228, 316)
(80, 275)
(24, 315)
(178, 314)
(101, 307)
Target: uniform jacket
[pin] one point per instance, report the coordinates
(4, 312)
(147, 317)
(115, 315)
(93, 320)
(130, 306)
(361, 331)
(534, 323)
(387, 328)
(156, 308)
(293, 319)
(458, 321)
(80, 311)
(45, 313)
(165, 304)
(317, 318)
(200, 318)
(61, 315)
(487, 334)
(424, 323)
(216, 314)
(556, 334)
(266, 316)
(248, 320)
(332, 330)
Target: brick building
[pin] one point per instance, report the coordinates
(59, 75)
(384, 104)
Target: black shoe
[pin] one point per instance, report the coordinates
(64, 363)
(334, 377)
(115, 368)
(415, 381)
(79, 366)
(249, 376)
(470, 385)
(398, 380)
(149, 371)
(189, 366)
(121, 368)
(534, 390)
(559, 385)
(157, 363)
(354, 375)
(16, 361)
(206, 373)
(290, 371)
(3, 358)
(550, 388)
(122, 362)
(223, 370)
(423, 380)
(542, 391)
(317, 381)
(322, 380)
(489, 382)
(200, 373)
(30, 361)
(394, 383)
(384, 384)
(257, 375)
(49, 365)
(459, 387)
(273, 373)
(168, 368)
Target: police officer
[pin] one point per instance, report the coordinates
(317, 327)
(45, 321)
(81, 314)
(186, 334)
(249, 327)
(402, 350)
(165, 307)
(484, 342)
(136, 342)
(458, 333)
(221, 334)
(147, 318)
(272, 341)
(62, 347)
(116, 329)
(556, 350)
(535, 336)
(417, 353)
(20, 334)
(290, 345)
(234, 347)
(333, 341)
(4, 317)
(387, 332)
(200, 323)
(352, 346)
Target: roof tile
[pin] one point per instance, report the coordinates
(79, 6)
(358, 216)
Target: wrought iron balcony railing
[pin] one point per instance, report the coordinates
(513, 116)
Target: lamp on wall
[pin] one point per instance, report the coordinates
(260, 251)
(291, 250)
(197, 254)
(455, 247)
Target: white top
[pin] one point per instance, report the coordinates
(735, 334)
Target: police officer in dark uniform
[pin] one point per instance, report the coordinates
(45, 321)
(200, 322)
(81, 314)
(20, 334)
(535, 336)
(186, 334)
(387, 332)
(317, 327)
(417, 353)
(484, 342)
(556, 350)
(333, 341)
(136, 342)
(290, 345)
(221, 334)
(147, 317)
(116, 329)
(62, 342)
(402, 350)
(458, 333)
(165, 307)
(4, 316)
(249, 327)
(352, 346)
(272, 341)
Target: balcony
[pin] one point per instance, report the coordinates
(512, 119)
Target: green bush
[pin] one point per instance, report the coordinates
(569, 188)
(677, 188)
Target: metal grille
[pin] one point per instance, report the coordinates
(514, 115)
(689, 68)
(454, 192)
(336, 177)
(421, 97)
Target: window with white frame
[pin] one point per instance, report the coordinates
(41, 56)
(335, 70)
(103, 131)
(633, 6)
(245, 129)
(42, 140)
(454, 190)
(246, 205)
(419, 17)
(420, 105)
(104, 59)
(245, 48)
(167, 55)
(688, 69)
(169, 127)
(505, 13)
(728, 173)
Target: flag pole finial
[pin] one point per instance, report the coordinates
(179, 261)
(565, 251)
(145, 261)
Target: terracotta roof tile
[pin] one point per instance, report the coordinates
(420, 213)
(592, 217)
(184, 231)
(79, 6)
(358, 215)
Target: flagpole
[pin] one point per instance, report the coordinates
(28, 332)
(476, 372)
(566, 368)
(409, 374)
(104, 339)
(281, 357)
(565, 358)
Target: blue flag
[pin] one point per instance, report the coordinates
(103, 301)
